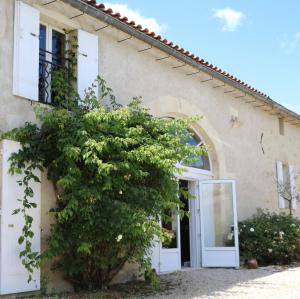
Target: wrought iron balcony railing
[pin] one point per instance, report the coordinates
(48, 64)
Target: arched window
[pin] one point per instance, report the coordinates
(202, 162)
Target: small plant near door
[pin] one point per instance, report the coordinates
(114, 171)
(289, 193)
(270, 238)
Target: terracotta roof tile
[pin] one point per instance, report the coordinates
(146, 31)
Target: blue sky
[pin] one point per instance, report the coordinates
(257, 41)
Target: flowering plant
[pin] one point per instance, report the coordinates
(269, 237)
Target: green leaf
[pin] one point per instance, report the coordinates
(30, 234)
(16, 211)
(21, 240)
(113, 169)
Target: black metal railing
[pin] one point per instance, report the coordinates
(48, 64)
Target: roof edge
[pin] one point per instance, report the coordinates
(135, 32)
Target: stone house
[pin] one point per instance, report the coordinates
(254, 142)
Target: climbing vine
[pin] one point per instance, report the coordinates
(113, 168)
(30, 259)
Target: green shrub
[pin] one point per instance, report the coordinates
(270, 238)
(114, 171)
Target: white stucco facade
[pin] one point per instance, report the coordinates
(244, 140)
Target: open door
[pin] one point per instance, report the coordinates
(218, 216)
(170, 257)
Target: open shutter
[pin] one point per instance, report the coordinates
(13, 275)
(26, 51)
(292, 187)
(280, 184)
(87, 61)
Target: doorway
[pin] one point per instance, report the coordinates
(185, 224)
(206, 236)
(184, 250)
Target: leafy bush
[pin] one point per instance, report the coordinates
(270, 238)
(114, 171)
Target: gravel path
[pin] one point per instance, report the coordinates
(269, 282)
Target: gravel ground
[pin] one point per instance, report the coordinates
(268, 282)
(273, 282)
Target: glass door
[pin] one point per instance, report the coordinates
(170, 257)
(218, 217)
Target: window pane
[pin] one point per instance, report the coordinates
(43, 70)
(170, 226)
(202, 162)
(42, 40)
(217, 215)
(193, 141)
(58, 47)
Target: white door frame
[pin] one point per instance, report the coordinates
(211, 256)
(194, 176)
(169, 259)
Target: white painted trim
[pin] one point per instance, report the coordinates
(280, 181)
(292, 187)
(195, 227)
(236, 229)
(218, 250)
(193, 174)
(170, 249)
(218, 182)
(52, 27)
(175, 252)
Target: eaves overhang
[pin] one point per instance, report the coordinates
(90, 7)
